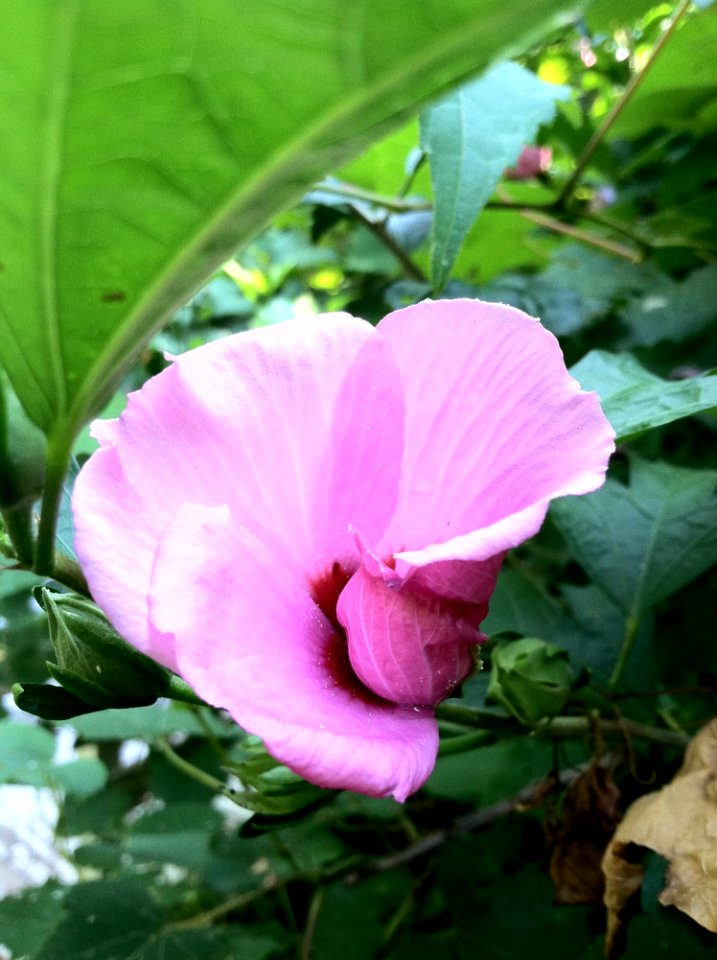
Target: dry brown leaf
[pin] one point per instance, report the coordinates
(589, 815)
(680, 823)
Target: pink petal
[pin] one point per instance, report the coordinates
(496, 428)
(298, 429)
(408, 647)
(116, 541)
(250, 638)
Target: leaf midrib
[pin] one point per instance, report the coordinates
(52, 140)
(120, 347)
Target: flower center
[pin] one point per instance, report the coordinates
(325, 592)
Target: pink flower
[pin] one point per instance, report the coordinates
(307, 521)
(530, 164)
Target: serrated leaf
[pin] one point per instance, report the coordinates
(143, 142)
(635, 400)
(642, 542)
(471, 137)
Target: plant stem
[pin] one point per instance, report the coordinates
(632, 625)
(59, 454)
(378, 229)
(583, 236)
(627, 95)
(579, 726)
(358, 195)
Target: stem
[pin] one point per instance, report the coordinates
(632, 625)
(19, 528)
(557, 226)
(358, 194)
(464, 742)
(378, 229)
(200, 776)
(475, 717)
(627, 95)
(317, 901)
(579, 726)
(59, 454)
(558, 726)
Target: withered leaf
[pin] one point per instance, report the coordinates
(680, 823)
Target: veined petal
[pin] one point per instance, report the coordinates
(496, 425)
(250, 638)
(297, 428)
(116, 541)
(406, 646)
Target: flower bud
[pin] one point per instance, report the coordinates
(93, 661)
(530, 678)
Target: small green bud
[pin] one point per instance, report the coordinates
(93, 661)
(530, 678)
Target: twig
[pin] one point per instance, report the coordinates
(357, 194)
(472, 821)
(378, 228)
(619, 107)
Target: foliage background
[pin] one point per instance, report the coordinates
(613, 245)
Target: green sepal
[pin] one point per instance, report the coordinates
(93, 661)
(49, 703)
(530, 678)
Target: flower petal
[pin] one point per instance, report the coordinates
(298, 428)
(496, 425)
(250, 638)
(408, 647)
(116, 541)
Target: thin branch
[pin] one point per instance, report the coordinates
(627, 95)
(378, 228)
(358, 195)
(583, 236)
(473, 821)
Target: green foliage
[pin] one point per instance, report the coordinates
(642, 542)
(635, 400)
(471, 136)
(144, 144)
(170, 122)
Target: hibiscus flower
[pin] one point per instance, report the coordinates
(306, 521)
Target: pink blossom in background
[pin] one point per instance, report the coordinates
(530, 164)
(306, 521)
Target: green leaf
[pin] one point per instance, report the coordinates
(635, 400)
(642, 542)
(143, 142)
(82, 777)
(28, 920)
(103, 920)
(26, 752)
(157, 720)
(472, 136)
(672, 310)
(680, 88)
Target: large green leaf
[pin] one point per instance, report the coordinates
(142, 142)
(642, 542)
(635, 400)
(472, 136)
